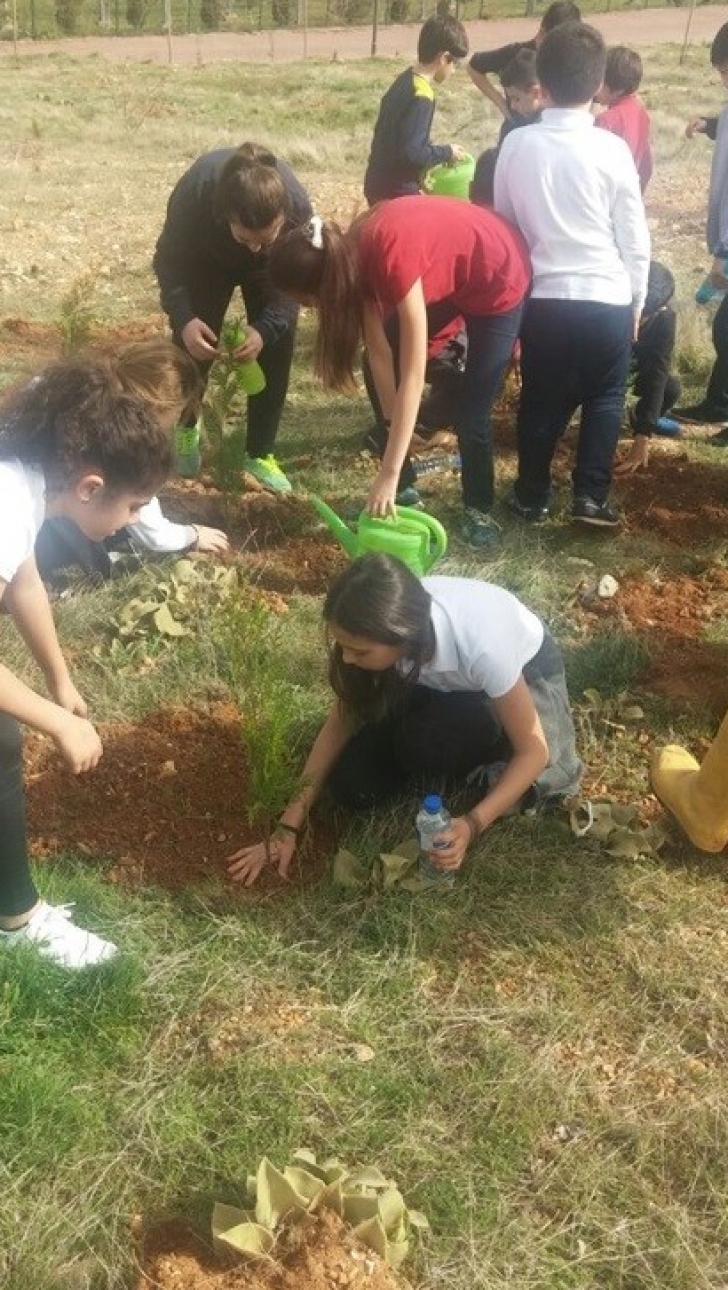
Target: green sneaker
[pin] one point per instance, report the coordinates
(268, 473)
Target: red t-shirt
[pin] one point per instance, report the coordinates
(462, 252)
(629, 119)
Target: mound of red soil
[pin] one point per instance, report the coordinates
(166, 803)
(679, 501)
(322, 1255)
(673, 614)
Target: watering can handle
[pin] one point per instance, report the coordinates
(438, 536)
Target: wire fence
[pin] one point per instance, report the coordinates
(53, 19)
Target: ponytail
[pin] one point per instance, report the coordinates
(318, 262)
(250, 191)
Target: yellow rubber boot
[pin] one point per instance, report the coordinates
(696, 795)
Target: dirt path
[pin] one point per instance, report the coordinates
(646, 27)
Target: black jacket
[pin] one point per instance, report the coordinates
(401, 147)
(196, 243)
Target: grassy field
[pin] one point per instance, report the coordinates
(540, 1057)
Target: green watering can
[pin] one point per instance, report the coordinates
(450, 178)
(416, 539)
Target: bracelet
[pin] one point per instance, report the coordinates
(474, 826)
(289, 828)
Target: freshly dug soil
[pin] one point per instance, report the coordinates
(676, 500)
(323, 1256)
(673, 615)
(166, 804)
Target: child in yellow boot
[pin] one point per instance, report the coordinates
(696, 795)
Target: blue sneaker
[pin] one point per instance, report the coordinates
(480, 531)
(668, 427)
(409, 497)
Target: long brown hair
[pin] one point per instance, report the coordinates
(380, 599)
(327, 273)
(159, 373)
(250, 190)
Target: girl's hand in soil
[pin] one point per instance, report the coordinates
(211, 541)
(199, 340)
(78, 743)
(251, 348)
(637, 458)
(382, 494)
(67, 696)
(698, 125)
(246, 865)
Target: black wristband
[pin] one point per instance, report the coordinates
(289, 828)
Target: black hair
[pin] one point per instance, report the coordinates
(719, 47)
(381, 600)
(571, 63)
(74, 419)
(623, 72)
(520, 72)
(250, 189)
(558, 12)
(441, 34)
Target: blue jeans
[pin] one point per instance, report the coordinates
(490, 344)
(574, 353)
(490, 341)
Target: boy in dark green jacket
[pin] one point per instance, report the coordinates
(401, 147)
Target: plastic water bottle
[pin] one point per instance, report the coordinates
(432, 820)
(188, 457)
(707, 292)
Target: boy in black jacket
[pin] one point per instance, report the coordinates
(401, 147)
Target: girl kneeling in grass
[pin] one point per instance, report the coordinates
(420, 263)
(71, 443)
(441, 680)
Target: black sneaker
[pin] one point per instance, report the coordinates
(719, 440)
(529, 514)
(586, 511)
(704, 413)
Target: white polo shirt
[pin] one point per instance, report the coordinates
(484, 637)
(22, 510)
(574, 193)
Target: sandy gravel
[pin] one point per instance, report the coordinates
(644, 27)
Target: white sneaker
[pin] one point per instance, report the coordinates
(58, 938)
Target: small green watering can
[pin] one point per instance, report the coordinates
(417, 539)
(450, 178)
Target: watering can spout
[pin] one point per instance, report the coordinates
(340, 530)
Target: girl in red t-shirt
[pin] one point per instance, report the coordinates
(418, 262)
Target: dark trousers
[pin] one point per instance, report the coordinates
(18, 893)
(490, 341)
(656, 388)
(574, 353)
(717, 391)
(211, 296)
(436, 740)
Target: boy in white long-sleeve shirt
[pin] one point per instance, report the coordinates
(583, 218)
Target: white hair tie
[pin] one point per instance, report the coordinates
(315, 229)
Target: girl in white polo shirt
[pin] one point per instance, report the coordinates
(71, 443)
(435, 681)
